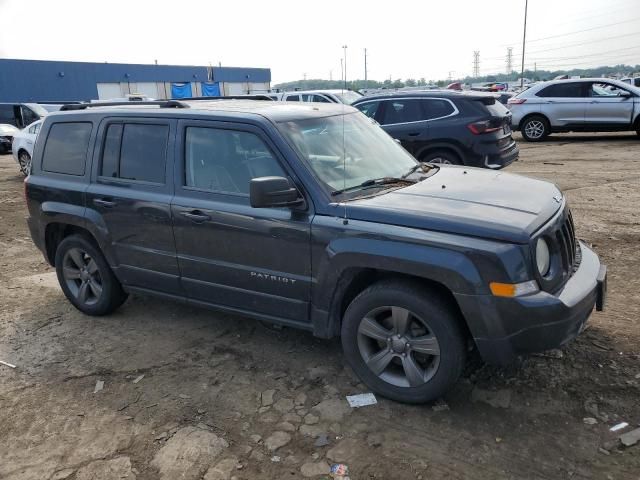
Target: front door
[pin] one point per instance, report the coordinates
(607, 107)
(564, 103)
(130, 197)
(249, 260)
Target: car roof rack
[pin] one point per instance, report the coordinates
(158, 103)
(257, 96)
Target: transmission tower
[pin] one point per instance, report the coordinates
(509, 60)
(476, 63)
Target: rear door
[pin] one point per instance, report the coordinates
(606, 107)
(564, 103)
(130, 196)
(254, 260)
(404, 120)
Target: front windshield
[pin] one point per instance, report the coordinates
(347, 96)
(367, 153)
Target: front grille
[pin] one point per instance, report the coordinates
(566, 238)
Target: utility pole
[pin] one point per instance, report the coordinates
(476, 63)
(524, 41)
(330, 75)
(344, 48)
(509, 60)
(341, 70)
(450, 76)
(365, 68)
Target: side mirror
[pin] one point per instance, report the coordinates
(267, 192)
(624, 94)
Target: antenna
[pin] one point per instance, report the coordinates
(344, 146)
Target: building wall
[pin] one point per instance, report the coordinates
(35, 80)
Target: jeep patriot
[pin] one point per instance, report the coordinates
(310, 216)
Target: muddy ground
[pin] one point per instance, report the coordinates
(224, 396)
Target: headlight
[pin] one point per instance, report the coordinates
(542, 256)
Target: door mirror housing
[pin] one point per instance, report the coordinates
(265, 192)
(625, 94)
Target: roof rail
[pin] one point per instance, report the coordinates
(257, 96)
(158, 103)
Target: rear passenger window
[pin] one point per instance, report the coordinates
(66, 148)
(369, 108)
(135, 151)
(225, 160)
(402, 111)
(436, 108)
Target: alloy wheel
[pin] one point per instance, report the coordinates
(24, 159)
(440, 160)
(398, 346)
(82, 276)
(534, 129)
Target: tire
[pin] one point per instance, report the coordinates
(535, 128)
(446, 157)
(86, 278)
(24, 160)
(375, 352)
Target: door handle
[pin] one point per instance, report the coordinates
(413, 134)
(196, 216)
(101, 202)
(30, 142)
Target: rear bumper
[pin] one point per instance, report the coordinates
(497, 159)
(505, 328)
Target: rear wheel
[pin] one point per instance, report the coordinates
(24, 160)
(86, 278)
(403, 342)
(445, 157)
(535, 129)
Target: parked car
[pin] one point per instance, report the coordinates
(7, 132)
(578, 105)
(23, 142)
(446, 126)
(322, 96)
(635, 81)
(21, 114)
(311, 218)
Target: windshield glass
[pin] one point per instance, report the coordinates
(348, 97)
(41, 112)
(368, 153)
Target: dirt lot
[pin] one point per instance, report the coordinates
(224, 396)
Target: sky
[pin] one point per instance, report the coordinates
(404, 39)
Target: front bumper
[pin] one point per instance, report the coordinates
(505, 328)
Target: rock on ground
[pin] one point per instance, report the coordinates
(344, 451)
(311, 419)
(283, 405)
(115, 469)
(277, 440)
(333, 409)
(222, 470)
(629, 439)
(267, 397)
(188, 453)
(314, 469)
(497, 398)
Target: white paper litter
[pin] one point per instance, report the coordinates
(361, 400)
(10, 365)
(619, 426)
(137, 379)
(99, 386)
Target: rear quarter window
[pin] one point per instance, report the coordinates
(66, 148)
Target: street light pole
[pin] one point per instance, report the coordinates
(524, 40)
(344, 47)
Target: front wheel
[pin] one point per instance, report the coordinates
(86, 278)
(24, 160)
(535, 129)
(403, 342)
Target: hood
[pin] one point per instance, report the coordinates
(468, 201)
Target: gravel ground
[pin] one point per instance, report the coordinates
(193, 394)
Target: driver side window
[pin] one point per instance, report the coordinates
(605, 90)
(221, 160)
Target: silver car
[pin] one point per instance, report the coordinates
(585, 105)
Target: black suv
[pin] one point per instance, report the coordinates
(458, 128)
(261, 209)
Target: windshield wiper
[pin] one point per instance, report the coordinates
(374, 182)
(425, 168)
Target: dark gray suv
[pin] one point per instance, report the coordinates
(261, 209)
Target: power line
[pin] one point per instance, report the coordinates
(585, 30)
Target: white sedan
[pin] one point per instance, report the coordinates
(23, 142)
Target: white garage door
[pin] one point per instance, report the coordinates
(107, 91)
(150, 89)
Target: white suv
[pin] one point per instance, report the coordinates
(586, 105)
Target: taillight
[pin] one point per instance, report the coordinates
(478, 128)
(516, 101)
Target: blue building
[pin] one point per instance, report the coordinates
(38, 80)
